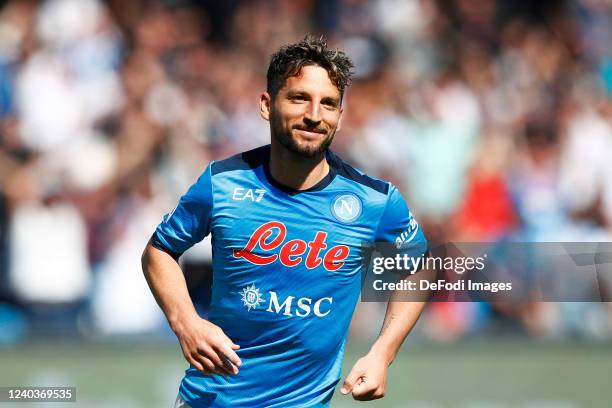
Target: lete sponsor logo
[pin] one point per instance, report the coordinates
(270, 238)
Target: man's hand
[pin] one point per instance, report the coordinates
(204, 344)
(367, 380)
(207, 348)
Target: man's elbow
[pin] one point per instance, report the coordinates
(154, 254)
(145, 257)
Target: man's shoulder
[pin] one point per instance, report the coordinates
(247, 160)
(345, 170)
(254, 158)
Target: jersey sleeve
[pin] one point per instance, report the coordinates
(398, 226)
(189, 222)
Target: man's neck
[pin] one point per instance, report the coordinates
(298, 173)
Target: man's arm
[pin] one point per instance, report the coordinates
(204, 344)
(367, 380)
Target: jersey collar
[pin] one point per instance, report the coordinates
(324, 182)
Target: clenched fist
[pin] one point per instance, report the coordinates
(207, 348)
(367, 380)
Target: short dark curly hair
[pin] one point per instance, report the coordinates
(289, 60)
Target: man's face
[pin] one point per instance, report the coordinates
(305, 113)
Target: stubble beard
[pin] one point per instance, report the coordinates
(284, 137)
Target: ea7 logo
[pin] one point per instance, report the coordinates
(241, 194)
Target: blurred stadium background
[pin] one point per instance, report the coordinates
(493, 117)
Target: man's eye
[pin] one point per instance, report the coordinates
(297, 98)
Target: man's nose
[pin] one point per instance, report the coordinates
(313, 113)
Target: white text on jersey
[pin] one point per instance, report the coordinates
(241, 194)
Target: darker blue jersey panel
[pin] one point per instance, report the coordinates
(345, 170)
(242, 161)
(286, 273)
(189, 222)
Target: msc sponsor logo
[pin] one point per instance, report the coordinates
(242, 194)
(251, 297)
(289, 306)
(346, 207)
(270, 238)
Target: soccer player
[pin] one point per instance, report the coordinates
(288, 221)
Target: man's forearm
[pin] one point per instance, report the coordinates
(168, 286)
(204, 344)
(399, 320)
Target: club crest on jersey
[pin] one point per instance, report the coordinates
(346, 207)
(267, 245)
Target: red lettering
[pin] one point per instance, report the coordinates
(292, 249)
(271, 235)
(334, 258)
(260, 236)
(318, 244)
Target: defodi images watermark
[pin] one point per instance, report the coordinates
(493, 272)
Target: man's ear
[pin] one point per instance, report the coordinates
(265, 105)
(339, 125)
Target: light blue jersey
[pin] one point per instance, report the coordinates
(286, 273)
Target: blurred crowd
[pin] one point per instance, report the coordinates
(494, 118)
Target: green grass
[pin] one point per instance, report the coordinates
(468, 375)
